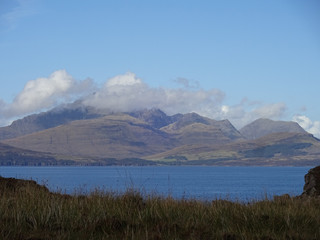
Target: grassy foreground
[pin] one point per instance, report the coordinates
(32, 212)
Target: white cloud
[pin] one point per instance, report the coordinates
(225, 109)
(44, 93)
(248, 111)
(41, 93)
(272, 111)
(307, 124)
(303, 121)
(127, 93)
(123, 80)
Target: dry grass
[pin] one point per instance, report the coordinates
(30, 212)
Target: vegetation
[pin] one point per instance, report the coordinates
(30, 211)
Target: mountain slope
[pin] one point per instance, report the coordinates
(122, 136)
(113, 136)
(155, 117)
(262, 127)
(77, 111)
(45, 120)
(87, 136)
(15, 156)
(193, 128)
(273, 149)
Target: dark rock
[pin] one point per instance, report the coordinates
(312, 183)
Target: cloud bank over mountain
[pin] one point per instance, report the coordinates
(310, 126)
(41, 93)
(127, 92)
(44, 93)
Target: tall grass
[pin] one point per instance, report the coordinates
(35, 213)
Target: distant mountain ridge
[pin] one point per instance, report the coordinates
(121, 135)
(115, 136)
(263, 126)
(79, 133)
(155, 117)
(191, 128)
(277, 149)
(45, 120)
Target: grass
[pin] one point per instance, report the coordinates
(32, 212)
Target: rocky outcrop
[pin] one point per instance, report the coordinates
(312, 183)
(13, 185)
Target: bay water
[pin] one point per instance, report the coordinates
(190, 182)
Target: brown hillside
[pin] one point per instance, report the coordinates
(273, 149)
(45, 120)
(114, 136)
(262, 127)
(152, 135)
(192, 128)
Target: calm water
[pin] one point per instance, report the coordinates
(201, 182)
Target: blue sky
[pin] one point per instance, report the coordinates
(239, 60)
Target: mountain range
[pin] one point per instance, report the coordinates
(76, 134)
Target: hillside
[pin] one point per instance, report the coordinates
(277, 149)
(87, 136)
(15, 156)
(124, 136)
(193, 128)
(262, 127)
(12, 156)
(45, 120)
(155, 117)
(115, 136)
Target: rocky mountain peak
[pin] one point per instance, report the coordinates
(188, 119)
(155, 117)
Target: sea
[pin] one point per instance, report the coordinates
(205, 183)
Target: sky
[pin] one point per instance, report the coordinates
(236, 60)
